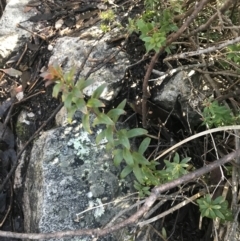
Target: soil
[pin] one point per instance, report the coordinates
(180, 225)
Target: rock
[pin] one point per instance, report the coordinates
(110, 73)
(68, 174)
(25, 126)
(10, 36)
(181, 84)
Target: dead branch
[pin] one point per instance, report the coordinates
(210, 20)
(202, 51)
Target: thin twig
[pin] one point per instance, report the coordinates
(173, 209)
(222, 128)
(202, 51)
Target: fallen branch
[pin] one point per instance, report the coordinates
(135, 217)
(202, 51)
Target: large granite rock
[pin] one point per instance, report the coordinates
(189, 87)
(12, 37)
(73, 51)
(68, 174)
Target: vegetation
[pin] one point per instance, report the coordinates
(159, 21)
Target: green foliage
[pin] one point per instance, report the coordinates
(154, 25)
(234, 53)
(213, 209)
(153, 177)
(105, 28)
(118, 140)
(108, 15)
(107, 18)
(216, 115)
(176, 168)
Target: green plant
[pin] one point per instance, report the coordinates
(107, 18)
(176, 168)
(234, 53)
(108, 15)
(213, 209)
(216, 115)
(118, 139)
(154, 25)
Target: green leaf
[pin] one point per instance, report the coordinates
(128, 157)
(176, 158)
(81, 105)
(97, 93)
(185, 160)
(100, 136)
(56, 89)
(140, 159)
(122, 104)
(68, 101)
(126, 171)
(164, 233)
(69, 77)
(86, 125)
(77, 93)
(208, 198)
(218, 200)
(118, 156)
(136, 132)
(219, 214)
(82, 84)
(138, 173)
(122, 137)
(115, 113)
(95, 103)
(144, 145)
(102, 119)
(109, 134)
(71, 113)
(212, 215)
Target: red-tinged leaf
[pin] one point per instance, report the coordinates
(12, 72)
